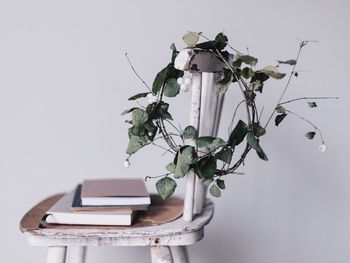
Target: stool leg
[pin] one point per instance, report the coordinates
(179, 254)
(77, 254)
(56, 255)
(161, 254)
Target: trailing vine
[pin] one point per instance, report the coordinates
(213, 157)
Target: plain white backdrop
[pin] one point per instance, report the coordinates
(64, 81)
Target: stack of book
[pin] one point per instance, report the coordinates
(101, 202)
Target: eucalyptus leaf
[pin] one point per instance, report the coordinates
(310, 135)
(186, 156)
(171, 167)
(214, 190)
(171, 88)
(206, 167)
(135, 143)
(258, 130)
(191, 38)
(225, 155)
(238, 133)
(128, 111)
(279, 118)
(254, 143)
(249, 60)
(280, 109)
(225, 82)
(211, 143)
(289, 62)
(273, 72)
(189, 132)
(166, 187)
(139, 95)
(312, 104)
(220, 183)
(247, 73)
(139, 117)
(159, 80)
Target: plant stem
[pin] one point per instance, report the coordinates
(133, 69)
(309, 122)
(309, 98)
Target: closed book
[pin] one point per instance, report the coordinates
(118, 192)
(61, 213)
(78, 207)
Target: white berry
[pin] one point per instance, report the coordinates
(180, 81)
(126, 163)
(184, 88)
(322, 148)
(187, 80)
(151, 98)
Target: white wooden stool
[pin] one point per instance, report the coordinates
(167, 241)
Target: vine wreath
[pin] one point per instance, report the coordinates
(153, 123)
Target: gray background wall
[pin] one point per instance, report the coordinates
(64, 81)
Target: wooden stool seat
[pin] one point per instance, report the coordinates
(150, 228)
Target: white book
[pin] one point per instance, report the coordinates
(114, 192)
(61, 213)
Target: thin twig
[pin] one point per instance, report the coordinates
(309, 98)
(301, 45)
(133, 69)
(309, 122)
(233, 116)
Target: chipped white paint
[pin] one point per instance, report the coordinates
(56, 255)
(179, 254)
(161, 254)
(175, 233)
(194, 121)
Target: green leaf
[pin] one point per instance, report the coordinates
(254, 143)
(280, 109)
(247, 73)
(159, 110)
(166, 187)
(215, 191)
(312, 104)
(279, 118)
(310, 135)
(258, 130)
(128, 111)
(225, 155)
(188, 155)
(225, 82)
(135, 143)
(211, 143)
(191, 38)
(221, 41)
(249, 60)
(185, 157)
(159, 80)
(171, 167)
(289, 62)
(220, 183)
(273, 72)
(189, 132)
(256, 86)
(139, 117)
(206, 167)
(174, 54)
(171, 88)
(138, 131)
(139, 95)
(238, 133)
